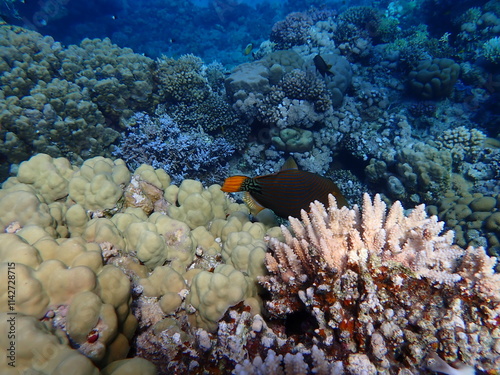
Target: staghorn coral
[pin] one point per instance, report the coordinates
(372, 280)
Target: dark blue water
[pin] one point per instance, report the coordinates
(212, 29)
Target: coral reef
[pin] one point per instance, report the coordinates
(143, 265)
(292, 31)
(85, 239)
(183, 264)
(71, 101)
(286, 102)
(40, 111)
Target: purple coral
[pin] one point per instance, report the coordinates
(159, 141)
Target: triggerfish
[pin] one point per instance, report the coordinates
(285, 192)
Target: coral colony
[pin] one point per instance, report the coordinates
(120, 253)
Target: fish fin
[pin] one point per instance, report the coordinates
(254, 206)
(233, 184)
(289, 164)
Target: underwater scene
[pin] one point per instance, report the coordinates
(249, 187)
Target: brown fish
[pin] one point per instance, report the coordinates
(285, 192)
(321, 66)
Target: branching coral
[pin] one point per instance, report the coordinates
(464, 144)
(372, 280)
(181, 80)
(305, 86)
(194, 98)
(491, 50)
(60, 101)
(160, 142)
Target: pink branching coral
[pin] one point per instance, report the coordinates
(387, 285)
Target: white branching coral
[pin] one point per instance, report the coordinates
(330, 239)
(374, 279)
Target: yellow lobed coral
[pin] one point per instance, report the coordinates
(79, 250)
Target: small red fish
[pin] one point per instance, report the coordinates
(285, 192)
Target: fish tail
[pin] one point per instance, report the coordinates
(233, 184)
